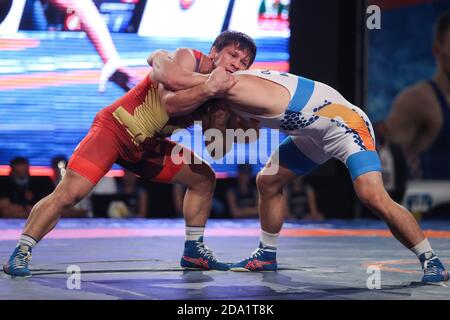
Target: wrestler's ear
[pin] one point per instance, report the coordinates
(206, 64)
(213, 53)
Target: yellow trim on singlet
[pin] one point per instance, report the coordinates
(148, 119)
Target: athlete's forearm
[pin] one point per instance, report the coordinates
(170, 74)
(398, 132)
(11, 210)
(249, 211)
(419, 144)
(246, 212)
(182, 102)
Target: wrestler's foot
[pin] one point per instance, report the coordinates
(433, 269)
(17, 265)
(262, 259)
(107, 71)
(124, 79)
(113, 71)
(198, 256)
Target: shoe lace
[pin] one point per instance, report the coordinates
(430, 268)
(257, 253)
(21, 259)
(205, 251)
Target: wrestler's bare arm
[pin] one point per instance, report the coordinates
(258, 96)
(183, 102)
(176, 70)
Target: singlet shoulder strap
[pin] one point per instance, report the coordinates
(441, 98)
(198, 56)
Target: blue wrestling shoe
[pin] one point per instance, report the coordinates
(17, 265)
(262, 259)
(198, 256)
(434, 270)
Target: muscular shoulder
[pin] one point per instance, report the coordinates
(186, 58)
(184, 52)
(193, 60)
(415, 99)
(415, 107)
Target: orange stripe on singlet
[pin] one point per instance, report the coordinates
(352, 119)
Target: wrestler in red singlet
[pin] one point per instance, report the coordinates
(131, 132)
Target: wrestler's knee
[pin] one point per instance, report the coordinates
(371, 199)
(269, 184)
(204, 179)
(71, 190)
(375, 198)
(65, 197)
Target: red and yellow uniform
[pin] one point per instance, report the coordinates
(130, 132)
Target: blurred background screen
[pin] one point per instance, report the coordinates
(53, 60)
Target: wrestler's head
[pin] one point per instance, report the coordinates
(233, 50)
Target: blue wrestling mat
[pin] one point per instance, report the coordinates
(139, 259)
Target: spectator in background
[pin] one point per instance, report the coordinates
(93, 203)
(420, 118)
(59, 164)
(178, 193)
(19, 191)
(136, 195)
(302, 201)
(395, 170)
(242, 198)
(218, 209)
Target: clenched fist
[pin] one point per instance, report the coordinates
(220, 81)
